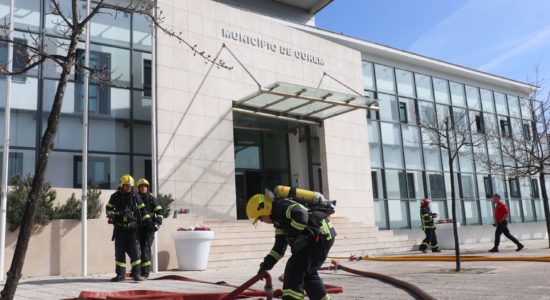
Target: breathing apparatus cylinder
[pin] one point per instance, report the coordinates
(282, 191)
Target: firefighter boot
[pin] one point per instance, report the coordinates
(136, 273)
(423, 248)
(120, 274)
(145, 270)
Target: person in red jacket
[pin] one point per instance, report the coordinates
(501, 222)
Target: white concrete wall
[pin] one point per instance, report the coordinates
(195, 128)
(298, 161)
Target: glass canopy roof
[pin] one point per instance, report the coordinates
(301, 104)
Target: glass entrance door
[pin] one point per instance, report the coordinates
(261, 161)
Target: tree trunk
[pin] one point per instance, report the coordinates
(545, 203)
(453, 197)
(14, 274)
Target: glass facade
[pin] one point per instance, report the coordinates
(405, 169)
(119, 115)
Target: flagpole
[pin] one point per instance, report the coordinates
(6, 153)
(84, 216)
(154, 178)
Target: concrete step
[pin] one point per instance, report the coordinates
(237, 243)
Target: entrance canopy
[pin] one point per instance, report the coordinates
(297, 104)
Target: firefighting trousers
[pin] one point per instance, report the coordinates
(126, 242)
(146, 238)
(430, 240)
(301, 272)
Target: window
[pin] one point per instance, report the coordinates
(527, 132)
(98, 172)
(535, 188)
(99, 96)
(147, 78)
(384, 78)
(406, 185)
(403, 112)
(15, 164)
(467, 190)
(480, 128)
(504, 128)
(374, 184)
(514, 188)
(20, 54)
(488, 187)
(437, 186)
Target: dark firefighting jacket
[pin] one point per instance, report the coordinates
(294, 226)
(153, 207)
(426, 217)
(127, 210)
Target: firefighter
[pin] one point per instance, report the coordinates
(309, 237)
(126, 212)
(428, 226)
(147, 233)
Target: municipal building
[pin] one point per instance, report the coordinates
(295, 105)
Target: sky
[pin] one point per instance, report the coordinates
(509, 38)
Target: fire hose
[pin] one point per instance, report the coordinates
(242, 291)
(408, 287)
(442, 258)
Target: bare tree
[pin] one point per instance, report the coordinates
(449, 129)
(524, 145)
(71, 25)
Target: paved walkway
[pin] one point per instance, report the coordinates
(478, 280)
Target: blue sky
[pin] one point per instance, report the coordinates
(503, 37)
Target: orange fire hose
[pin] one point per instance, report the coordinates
(443, 258)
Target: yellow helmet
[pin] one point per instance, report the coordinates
(142, 181)
(258, 205)
(126, 179)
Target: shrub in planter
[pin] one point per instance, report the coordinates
(72, 209)
(17, 200)
(164, 202)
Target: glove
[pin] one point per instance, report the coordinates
(434, 215)
(158, 220)
(151, 226)
(494, 224)
(265, 266)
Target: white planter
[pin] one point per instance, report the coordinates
(192, 249)
(445, 235)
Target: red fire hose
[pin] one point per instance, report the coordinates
(242, 291)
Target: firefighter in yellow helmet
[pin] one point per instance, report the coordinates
(126, 212)
(147, 233)
(310, 237)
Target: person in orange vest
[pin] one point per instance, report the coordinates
(501, 223)
(428, 226)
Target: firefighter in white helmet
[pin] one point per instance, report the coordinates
(147, 232)
(126, 212)
(310, 237)
(428, 226)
